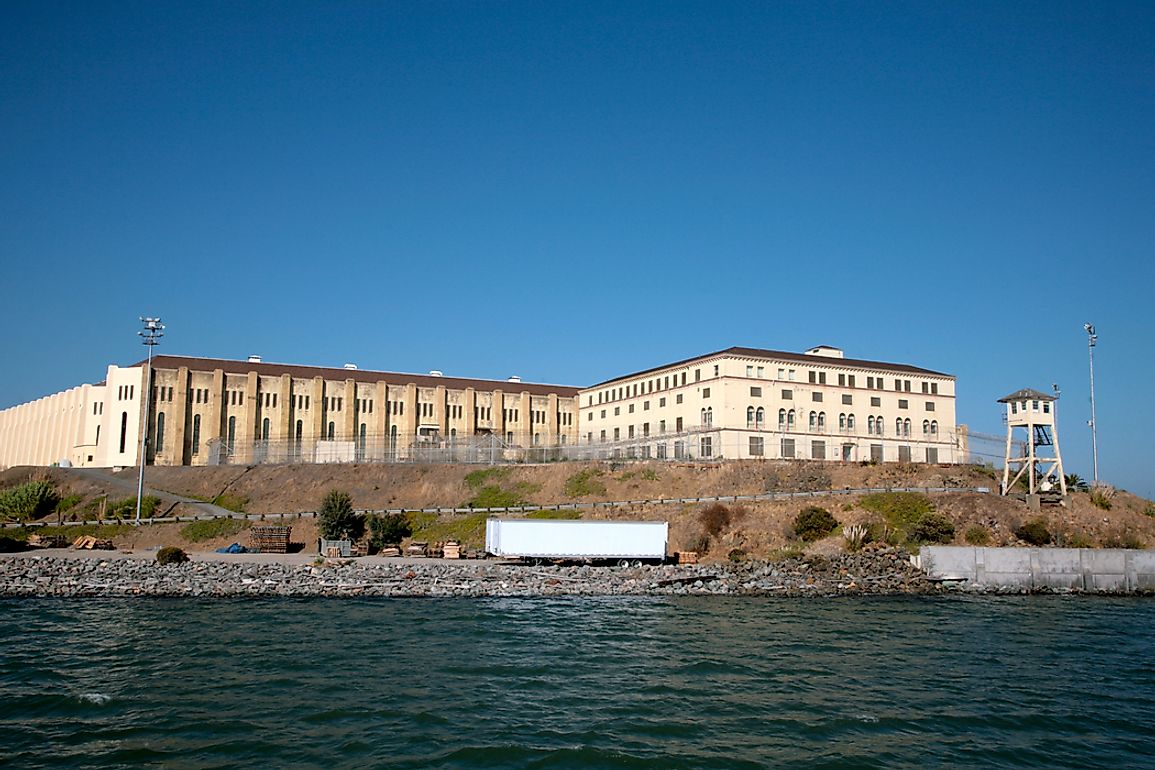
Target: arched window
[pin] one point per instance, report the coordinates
(870, 425)
(760, 417)
(749, 416)
(781, 418)
(332, 430)
(196, 434)
(159, 432)
(879, 425)
(842, 421)
(926, 427)
(790, 420)
(822, 421)
(123, 429)
(708, 416)
(934, 427)
(898, 426)
(393, 438)
(265, 429)
(906, 427)
(299, 431)
(813, 420)
(850, 422)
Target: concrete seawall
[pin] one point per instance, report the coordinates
(1091, 570)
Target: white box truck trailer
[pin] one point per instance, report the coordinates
(574, 539)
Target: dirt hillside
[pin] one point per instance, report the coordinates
(756, 528)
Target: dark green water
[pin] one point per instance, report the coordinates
(690, 683)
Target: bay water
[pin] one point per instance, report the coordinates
(580, 682)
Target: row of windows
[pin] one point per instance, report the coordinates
(1034, 406)
(162, 393)
(125, 392)
(98, 407)
(198, 395)
(644, 387)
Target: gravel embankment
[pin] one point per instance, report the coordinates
(879, 573)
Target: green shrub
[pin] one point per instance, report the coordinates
(1101, 499)
(585, 483)
(814, 523)
(209, 529)
(1034, 532)
(900, 509)
(648, 474)
(1075, 540)
(931, 528)
(977, 535)
(491, 496)
(28, 501)
(231, 502)
(388, 529)
(125, 508)
(171, 555)
(559, 514)
(476, 479)
(337, 520)
(469, 530)
(66, 504)
(1149, 510)
(737, 554)
(714, 519)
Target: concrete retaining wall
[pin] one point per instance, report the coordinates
(1079, 569)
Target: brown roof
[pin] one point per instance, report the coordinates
(359, 375)
(1026, 394)
(779, 355)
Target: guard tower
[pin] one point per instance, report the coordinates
(1033, 412)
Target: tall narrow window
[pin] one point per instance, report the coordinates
(790, 420)
(159, 432)
(232, 433)
(850, 422)
(196, 434)
(332, 430)
(123, 430)
(749, 417)
(781, 419)
(760, 417)
(300, 429)
(265, 429)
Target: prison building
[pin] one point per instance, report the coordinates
(742, 403)
(205, 411)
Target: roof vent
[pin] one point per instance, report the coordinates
(514, 378)
(435, 373)
(350, 366)
(254, 359)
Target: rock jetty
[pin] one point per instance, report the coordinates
(886, 572)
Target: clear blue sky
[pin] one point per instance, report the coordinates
(573, 191)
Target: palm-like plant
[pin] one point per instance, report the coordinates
(1076, 482)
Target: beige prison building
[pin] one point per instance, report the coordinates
(208, 412)
(742, 403)
(737, 403)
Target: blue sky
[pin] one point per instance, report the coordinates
(569, 192)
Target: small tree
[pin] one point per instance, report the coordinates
(814, 523)
(389, 529)
(337, 520)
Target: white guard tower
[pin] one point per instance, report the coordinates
(1034, 412)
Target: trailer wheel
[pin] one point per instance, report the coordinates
(638, 564)
(624, 563)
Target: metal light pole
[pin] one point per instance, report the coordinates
(1092, 338)
(150, 337)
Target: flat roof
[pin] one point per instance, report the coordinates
(781, 355)
(300, 371)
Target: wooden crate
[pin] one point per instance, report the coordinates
(270, 539)
(687, 557)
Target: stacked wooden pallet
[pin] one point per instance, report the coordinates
(451, 550)
(687, 557)
(90, 543)
(270, 539)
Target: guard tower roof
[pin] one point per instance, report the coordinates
(1026, 394)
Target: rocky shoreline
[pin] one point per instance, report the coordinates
(886, 572)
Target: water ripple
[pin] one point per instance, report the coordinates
(568, 683)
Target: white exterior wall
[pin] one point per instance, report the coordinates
(51, 429)
(123, 396)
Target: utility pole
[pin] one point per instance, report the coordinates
(1092, 338)
(150, 337)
